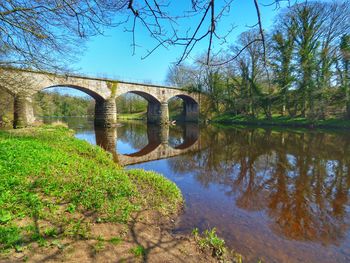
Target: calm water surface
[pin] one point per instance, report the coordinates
(276, 195)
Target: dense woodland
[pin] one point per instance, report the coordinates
(302, 70)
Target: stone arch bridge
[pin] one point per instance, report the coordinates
(23, 84)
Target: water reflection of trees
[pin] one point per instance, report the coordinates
(138, 135)
(300, 179)
(176, 135)
(134, 134)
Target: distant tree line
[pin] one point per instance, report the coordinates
(56, 104)
(132, 103)
(48, 104)
(303, 70)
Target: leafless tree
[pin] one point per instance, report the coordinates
(44, 34)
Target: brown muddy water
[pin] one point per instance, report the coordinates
(276, 195)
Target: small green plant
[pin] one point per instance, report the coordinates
(210, 241)
(5, 216)
(99, 246)
(42, 242)
(57, 243)
(138, 251)
(51, 232)
(115, 240)
(71, 208)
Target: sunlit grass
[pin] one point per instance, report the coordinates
(52, 185)
(133, 116)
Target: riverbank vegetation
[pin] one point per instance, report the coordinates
(302, 71)
(58, 104)
(278, 120)
(55, 189)
(48, 104)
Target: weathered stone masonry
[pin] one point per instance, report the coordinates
(24, 84)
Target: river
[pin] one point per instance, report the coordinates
(279, 195)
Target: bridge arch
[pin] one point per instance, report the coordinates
(147, 96)
(155, 109)
(105, 109)
(190, 111)
(93, 94)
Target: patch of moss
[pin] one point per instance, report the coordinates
(113, 86)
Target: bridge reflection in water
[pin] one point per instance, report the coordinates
(159, 145)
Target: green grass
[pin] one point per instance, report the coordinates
(143, 116)
(281, 121)
(138, 251)
(156, 192)
(133, 116)
(53, 186)
(209, 240)
(115, 240)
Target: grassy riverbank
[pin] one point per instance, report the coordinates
(143, 116)
(63, 198)
(132, 116)
(281, 121)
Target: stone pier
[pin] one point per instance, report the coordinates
(23, 111)
(158, 112)
(106, 138)
(164, 134)
(105, 113)
(164, 113)
(153, 110)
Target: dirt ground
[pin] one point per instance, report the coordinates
(109, 242)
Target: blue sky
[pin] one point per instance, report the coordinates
(111, 55)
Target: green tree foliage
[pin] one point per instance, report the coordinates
(282, 45)
(303, 69)
(55, 104)
(344, 70)
(131, 103)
